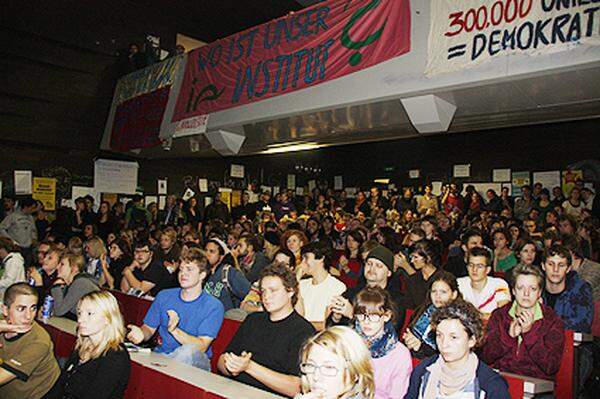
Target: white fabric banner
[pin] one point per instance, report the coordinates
(465, 33)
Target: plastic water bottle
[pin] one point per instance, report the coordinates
(47, 308)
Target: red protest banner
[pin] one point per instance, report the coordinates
(326, 41)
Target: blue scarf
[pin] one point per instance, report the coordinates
(422, 327)
(382, 345)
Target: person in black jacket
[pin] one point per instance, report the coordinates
(99, 366)
(456, 371)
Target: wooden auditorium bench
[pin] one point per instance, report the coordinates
(134, 309)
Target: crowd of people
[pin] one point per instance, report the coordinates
(337, 294)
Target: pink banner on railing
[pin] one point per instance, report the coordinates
(318, 44)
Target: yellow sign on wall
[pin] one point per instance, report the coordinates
(44, 190)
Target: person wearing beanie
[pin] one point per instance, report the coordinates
(378, 270)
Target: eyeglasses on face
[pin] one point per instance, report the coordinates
(373, 317)
(324, 370)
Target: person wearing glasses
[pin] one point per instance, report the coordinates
(484, 292)
(145, 275)
(336, 364)
(456, 372)
(374, 313)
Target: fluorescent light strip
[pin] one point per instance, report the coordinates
(291, 148)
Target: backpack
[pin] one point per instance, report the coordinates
(225, 281)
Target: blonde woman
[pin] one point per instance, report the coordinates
(99, 366)
(336, 364)
(96, 254)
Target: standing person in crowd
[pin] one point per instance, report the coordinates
(504, 258)
(137, 216)
(145, 275)
(99, 366)
(224, 281)
(12, 268)
(335, 364)
(28, 368)
(188, 319)
(217, 210)
(379, 267)
(245, 210)
(168, 217)
(451, 199)
(427, 203)
(456, 371)
(420, 337)
(484, 292)
(569, 296)
(194, 213)
(250, 257)
(524, 203)
(494, 202)
(71, 285)
(374, 313)
(457, 264)
(317, 291)
(20, 227)
(574, 206)
(426, 261)
(526, 337)
(105, 223)
(350, 263)
(264, 351)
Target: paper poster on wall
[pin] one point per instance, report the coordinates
(312, 185)
(276, 190)
(237, 171)
(462, 170)
(351, 192)
(162, 186)
(569, 179)
(23, 182)
(338, 183)
(436, 187)
(225, 196)
(203, 185)
(501, 175)
(548, 179)
(519, 179)
(291, 182)
(253, 197)
(44, 190)
(149, 199)
(118, 177)
(266, 189)
(162, 202)
(189, 193)
(236, 198)
(414, 173)
(207, 201)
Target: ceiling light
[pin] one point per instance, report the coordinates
(382, 181)
(290, 147)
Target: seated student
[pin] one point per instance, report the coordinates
(374, 312)
(335, 364)
(316, 292)
(504, 257)
(250, 257)
(425, 258)
(99, 366)
(224, 282)
(456, 372)
(457, 264)
(569, 296)
(96, 252)
(187, 318)
(264, 351)
(419, 336)
(379, 266)
(44, 277)
(28, 368)
(252, 302)
(167, 252)
(119, 257)
(72, 284)
(586, 269)
(13, 265)
(526, 337)
(145, 274)
(484, 292)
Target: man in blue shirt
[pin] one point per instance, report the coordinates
(187, 318)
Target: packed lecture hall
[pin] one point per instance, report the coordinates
(268, 199)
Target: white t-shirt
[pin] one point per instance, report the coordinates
(317, 297)
(486, 301)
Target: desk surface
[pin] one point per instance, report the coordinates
(533, 386)
(204, 380)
